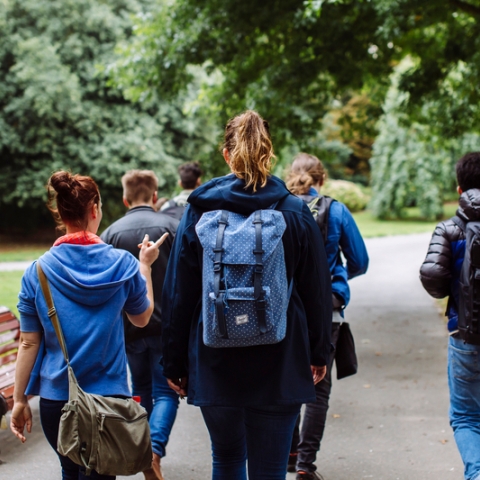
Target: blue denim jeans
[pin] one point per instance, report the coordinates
(260, 434)
(464, 384)
(148, 382)
(50, 413)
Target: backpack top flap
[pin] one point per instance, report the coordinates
(320, 208)
(239, 236)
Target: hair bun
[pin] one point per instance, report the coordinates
(63, 182)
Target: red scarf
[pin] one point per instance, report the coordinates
(79, 238)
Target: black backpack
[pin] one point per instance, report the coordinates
(469, 286)
(174, 210)
(320, 208)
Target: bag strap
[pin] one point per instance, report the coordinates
(52, 312)
(258, 292)
(217, 276)
(461, 224)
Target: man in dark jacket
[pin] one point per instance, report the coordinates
(440, 273)
(144, 348)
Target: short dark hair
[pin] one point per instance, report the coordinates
(189, 174)
(139, 185)
(468, 171)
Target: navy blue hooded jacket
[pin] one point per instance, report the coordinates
(260, 375)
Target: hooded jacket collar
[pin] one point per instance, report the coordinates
(229, 193)
(469, 205)
(88, 274)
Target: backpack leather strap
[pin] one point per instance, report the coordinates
(217, 276)
(258, 292)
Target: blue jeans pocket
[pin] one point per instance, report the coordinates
(465, 363)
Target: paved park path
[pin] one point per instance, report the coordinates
(388, 422)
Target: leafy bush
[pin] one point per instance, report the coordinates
(346, 192)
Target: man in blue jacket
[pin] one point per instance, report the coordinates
(144, 348)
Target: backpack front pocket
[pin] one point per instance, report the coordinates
(240, 313)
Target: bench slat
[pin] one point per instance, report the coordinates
(9, 335)
(6, 368)
(9, 346)
(10, 325)
(6, 315)
(9, 342)
(8, 359)
(7, 380)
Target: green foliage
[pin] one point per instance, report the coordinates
(57, 112)
(443, 38)
(411, 165)
(288, 60)
(346, 192)
(305, 64)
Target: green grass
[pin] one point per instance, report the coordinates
(10, 253)
(412, 223)
(9, 288)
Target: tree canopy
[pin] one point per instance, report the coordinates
(302, 64)
(58, 113)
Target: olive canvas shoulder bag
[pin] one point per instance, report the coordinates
(107, 434)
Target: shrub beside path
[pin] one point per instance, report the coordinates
(388, 422)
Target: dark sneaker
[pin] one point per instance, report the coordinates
(309, 476)
(292, 462)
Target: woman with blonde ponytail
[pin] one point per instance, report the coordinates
(305, 179)
(249, 396)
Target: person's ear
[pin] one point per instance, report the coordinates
(459, 190)
(154, 197)
(199, 182)
(322, 181)
(125, 202)
(94, 211)
(226, 155)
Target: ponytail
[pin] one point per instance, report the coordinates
(248, 142)
(305, 172)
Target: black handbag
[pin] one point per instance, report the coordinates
(345, 356)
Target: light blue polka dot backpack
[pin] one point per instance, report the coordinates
(245, 289)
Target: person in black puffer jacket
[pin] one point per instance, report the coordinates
(439, 274)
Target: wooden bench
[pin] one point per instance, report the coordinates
(9, 341)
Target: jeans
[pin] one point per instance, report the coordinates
(464, 384)
(50, 413)
(260, 434)
(148, 382)
(306, 441)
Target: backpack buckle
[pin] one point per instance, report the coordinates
(258, 268)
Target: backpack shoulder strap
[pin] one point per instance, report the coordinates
(322, 205)
(461, 224)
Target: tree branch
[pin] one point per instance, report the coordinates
(466, 7)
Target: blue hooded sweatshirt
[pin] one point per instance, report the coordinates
(90, 286)
(277, 374)
(342, 236)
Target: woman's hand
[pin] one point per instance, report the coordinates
(178, 385)
(21, 418)
(149, 251)
(318, 373)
